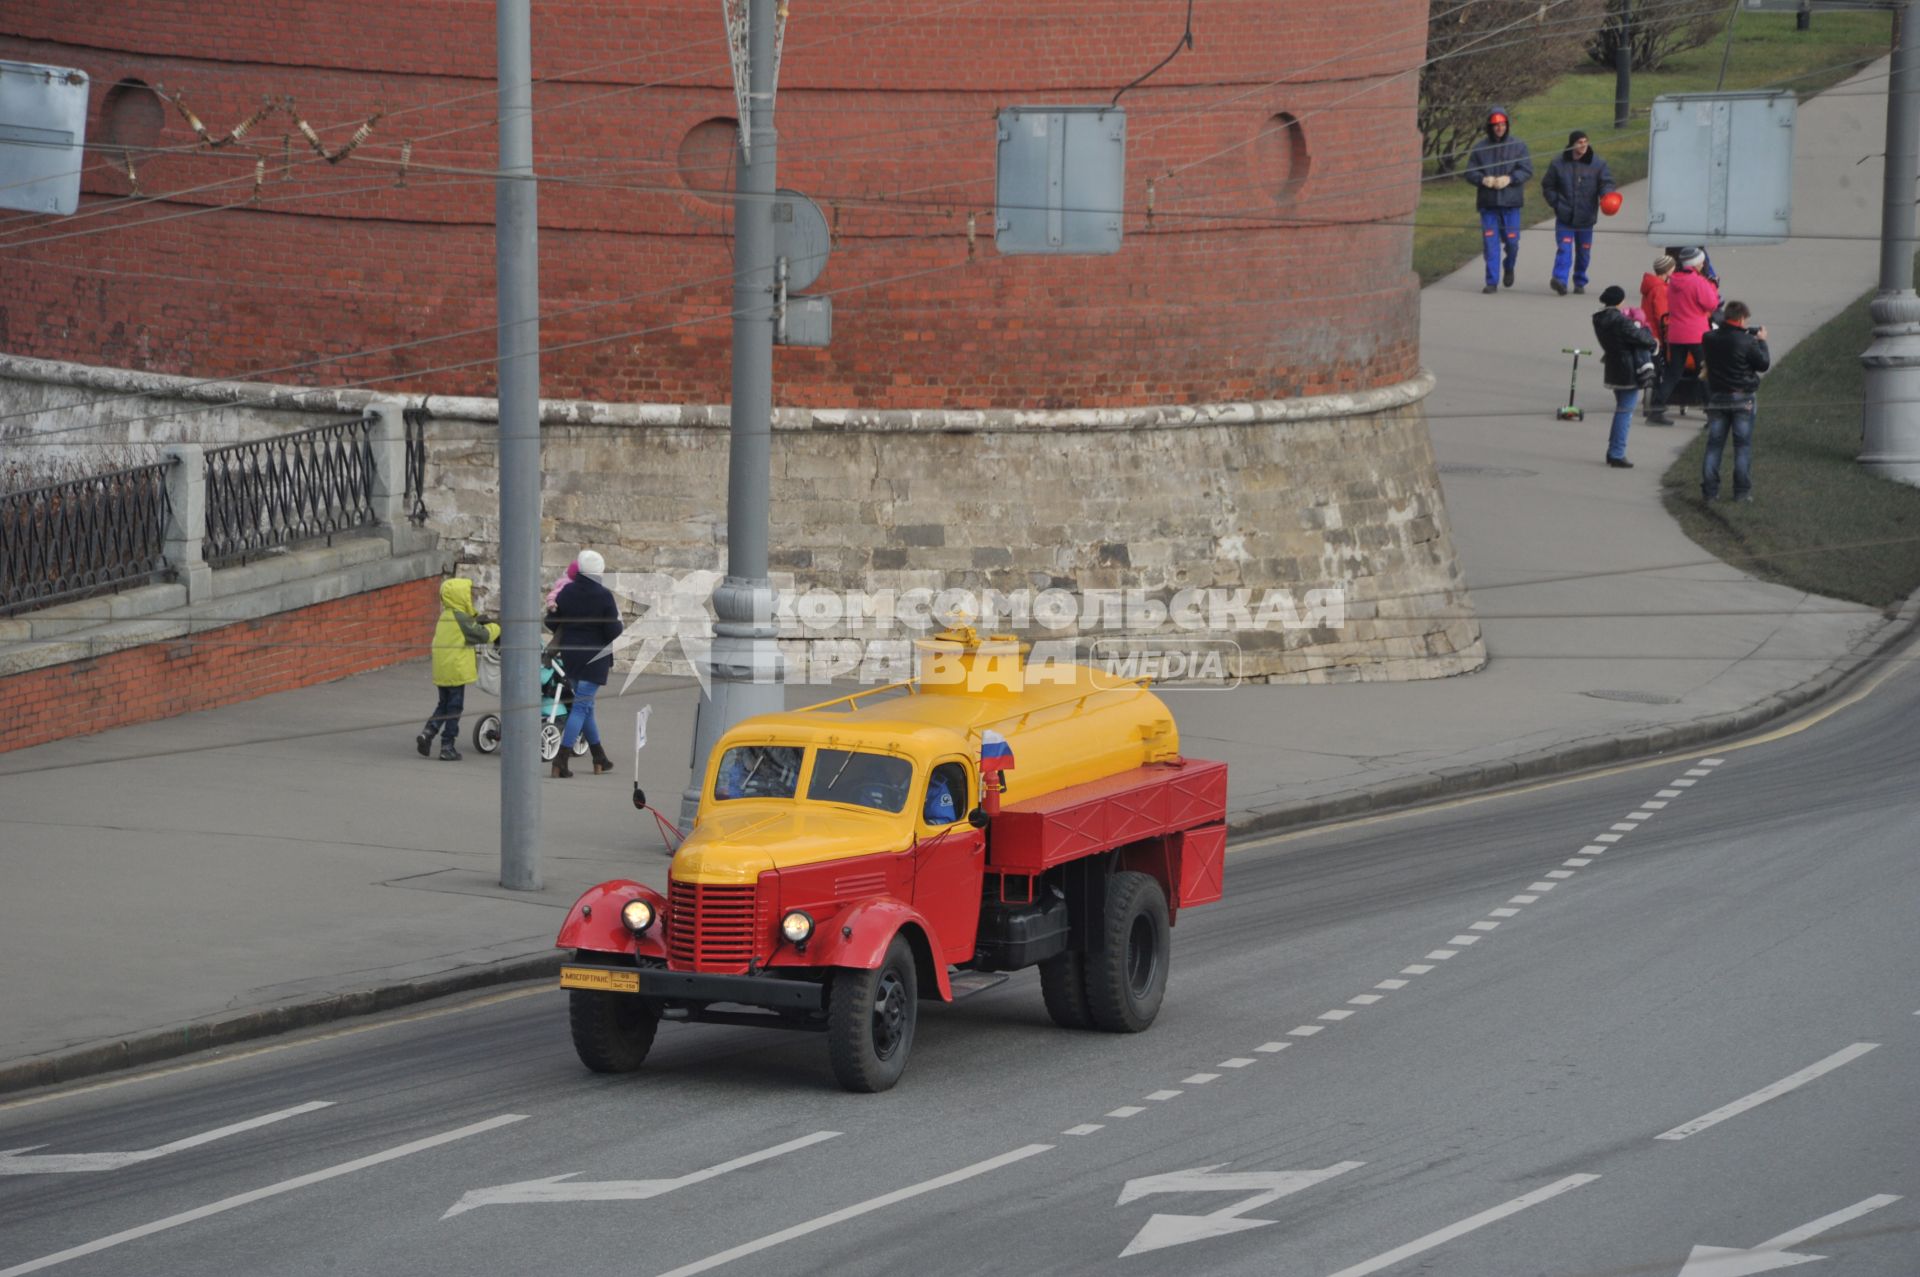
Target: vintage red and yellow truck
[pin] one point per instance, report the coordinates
(848, 859)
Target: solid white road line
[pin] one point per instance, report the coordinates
(261, 1194)
(1465, 1226)
(854, 1211)
(1759, 1097)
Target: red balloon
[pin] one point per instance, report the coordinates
(1610, 203)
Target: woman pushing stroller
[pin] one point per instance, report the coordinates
(585, 621)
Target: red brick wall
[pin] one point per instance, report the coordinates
(220, 667)
(1244, 285)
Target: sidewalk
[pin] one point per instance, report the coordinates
(198, 887)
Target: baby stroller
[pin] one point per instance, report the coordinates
(556, 699)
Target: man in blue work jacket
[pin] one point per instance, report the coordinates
(1499, 166)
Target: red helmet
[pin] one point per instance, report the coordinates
(1610, 203)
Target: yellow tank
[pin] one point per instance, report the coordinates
(1066, 724)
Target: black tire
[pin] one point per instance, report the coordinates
(612, 1032)
(1063, 985)
(486, 733)
(1127, 978)
(870, 1021)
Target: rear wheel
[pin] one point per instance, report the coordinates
(550, 734)
(870, 1020)
(1127, 978)
(1063, 985)
(612, 1032)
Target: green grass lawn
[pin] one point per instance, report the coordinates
(1818, 521)
(1767, 53)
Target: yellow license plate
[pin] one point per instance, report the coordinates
(594, 978)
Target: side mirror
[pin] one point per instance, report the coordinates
(977, 818)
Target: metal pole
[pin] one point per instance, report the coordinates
(1890, 420)
(1622, 80)
(744, 665)
(517, 285)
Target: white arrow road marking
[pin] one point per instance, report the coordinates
(261, 1194)
(1173, 1230)
(846, 1213)
(1719, 1261)
(12, 1163)
(1765, 1093)
(1461, 1229)
(562, 1188)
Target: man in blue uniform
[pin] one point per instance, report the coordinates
(1499, 166)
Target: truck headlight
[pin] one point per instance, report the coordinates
(637, 915)
(797, 926)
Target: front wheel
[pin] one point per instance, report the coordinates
(870, 1020)
(1127, 978)
(612, 1032)
(550, 734)
(486, 734)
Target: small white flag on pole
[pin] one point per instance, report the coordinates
(640, 727)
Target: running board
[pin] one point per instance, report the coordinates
(967, 983)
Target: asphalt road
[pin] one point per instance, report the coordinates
(1586, 1029)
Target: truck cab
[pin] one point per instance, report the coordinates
(847, 858)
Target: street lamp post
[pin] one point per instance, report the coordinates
(1890, 424)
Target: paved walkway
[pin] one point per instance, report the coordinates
(196, 878)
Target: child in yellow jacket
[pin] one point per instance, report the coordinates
(459, 631)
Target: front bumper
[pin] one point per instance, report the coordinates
(772, 992)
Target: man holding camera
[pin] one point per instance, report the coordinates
(1736, 356)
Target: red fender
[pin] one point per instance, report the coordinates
(872, 925)
(594, 921)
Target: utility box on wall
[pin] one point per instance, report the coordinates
(1061, 179)
(1720, 168)
(43, 133)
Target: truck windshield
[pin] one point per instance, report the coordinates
(758, 771)
(879, 781)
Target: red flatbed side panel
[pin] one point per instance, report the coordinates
(1161, 798)
(1203, 865)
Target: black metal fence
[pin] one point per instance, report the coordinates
(288, 489)
(416, 423)
(83, 536)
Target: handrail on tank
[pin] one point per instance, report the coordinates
(849, 699)
(1140, 681)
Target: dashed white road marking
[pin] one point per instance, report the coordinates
(1577, 862)
(1593, 849)
(261, 1194)
(1160, 1097)
(1441, 955)
(1653, 804)
(1607, 838)
(1522, 900)
(1483, 926)
(1623, 827)
(1790, 1082)
(1199, 1079)
(1682, 784)
(1364, 999)
(1441, 1237)
(1668, 793)
(1420, 968)
(1305, 1030)
(1711, 762)
(1237, 1062)
(1464, 941)
(1085, 1128)
(1561, 874)
(1699, 772)
(1641, 815)
(1127, 1110)
(846, 1213)
(1542, 886)
(1335, 1015)
(1268, 1048)
(1503, 912)
(1401, 984)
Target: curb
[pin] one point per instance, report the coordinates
(206, 1035)
(1577, 756)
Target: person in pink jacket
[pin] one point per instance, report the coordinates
(1691, 300)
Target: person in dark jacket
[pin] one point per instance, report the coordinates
(1735, 359)
(1499, 166)
(585, 621)
(1572, 188)
(1627, 352)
